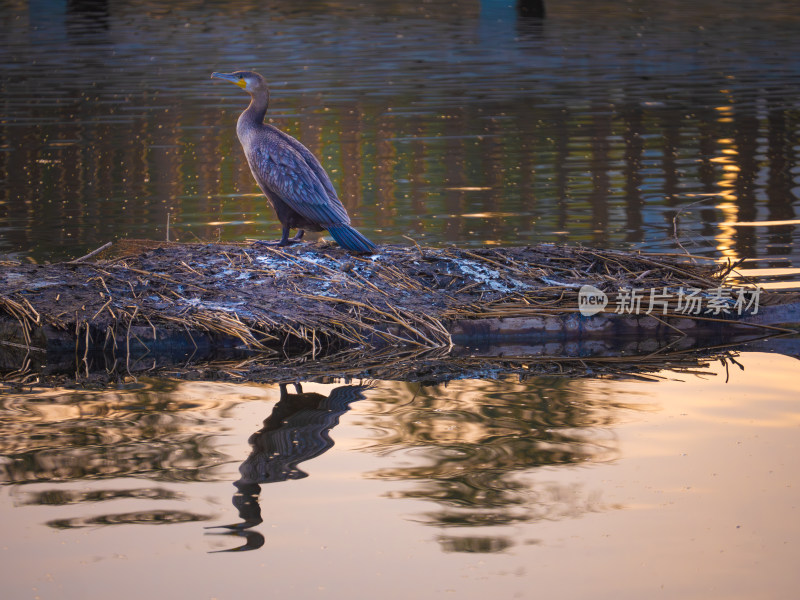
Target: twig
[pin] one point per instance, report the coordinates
(675, 224)
(413, 241)
(90, 255)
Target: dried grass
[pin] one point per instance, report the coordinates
(317, 298)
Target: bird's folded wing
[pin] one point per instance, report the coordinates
(302, 184)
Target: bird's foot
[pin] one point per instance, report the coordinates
(285, 239)
(278, 243)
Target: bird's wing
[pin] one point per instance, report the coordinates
(311, 160)
(288, 169)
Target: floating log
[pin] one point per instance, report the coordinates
(160, 304)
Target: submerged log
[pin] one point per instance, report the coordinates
(159, 304)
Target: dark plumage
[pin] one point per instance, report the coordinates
(290, 176)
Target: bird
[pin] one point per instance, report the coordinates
(288, 173)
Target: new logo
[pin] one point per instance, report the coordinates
(591, 300)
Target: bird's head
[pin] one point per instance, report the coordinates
(249, 81)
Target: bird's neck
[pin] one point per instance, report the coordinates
(255, 113)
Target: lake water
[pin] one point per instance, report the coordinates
(575, 488)
(666, 127)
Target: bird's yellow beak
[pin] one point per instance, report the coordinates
(233, 78)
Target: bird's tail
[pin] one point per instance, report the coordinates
(350, 239)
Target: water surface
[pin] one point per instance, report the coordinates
(684, 487)
(669, 127)
(459, 122)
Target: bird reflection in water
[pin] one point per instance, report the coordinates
(296, 431)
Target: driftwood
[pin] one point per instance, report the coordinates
(161, 304)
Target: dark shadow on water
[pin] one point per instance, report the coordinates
(57, 497)
(531, 9)
(85, 18)
(473, 544)
(146, 517)
(296, 431)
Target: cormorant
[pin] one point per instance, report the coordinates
(288, 173)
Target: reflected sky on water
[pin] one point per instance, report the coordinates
(686, 484)
(463, 122)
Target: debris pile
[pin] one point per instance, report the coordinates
(136, 297)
